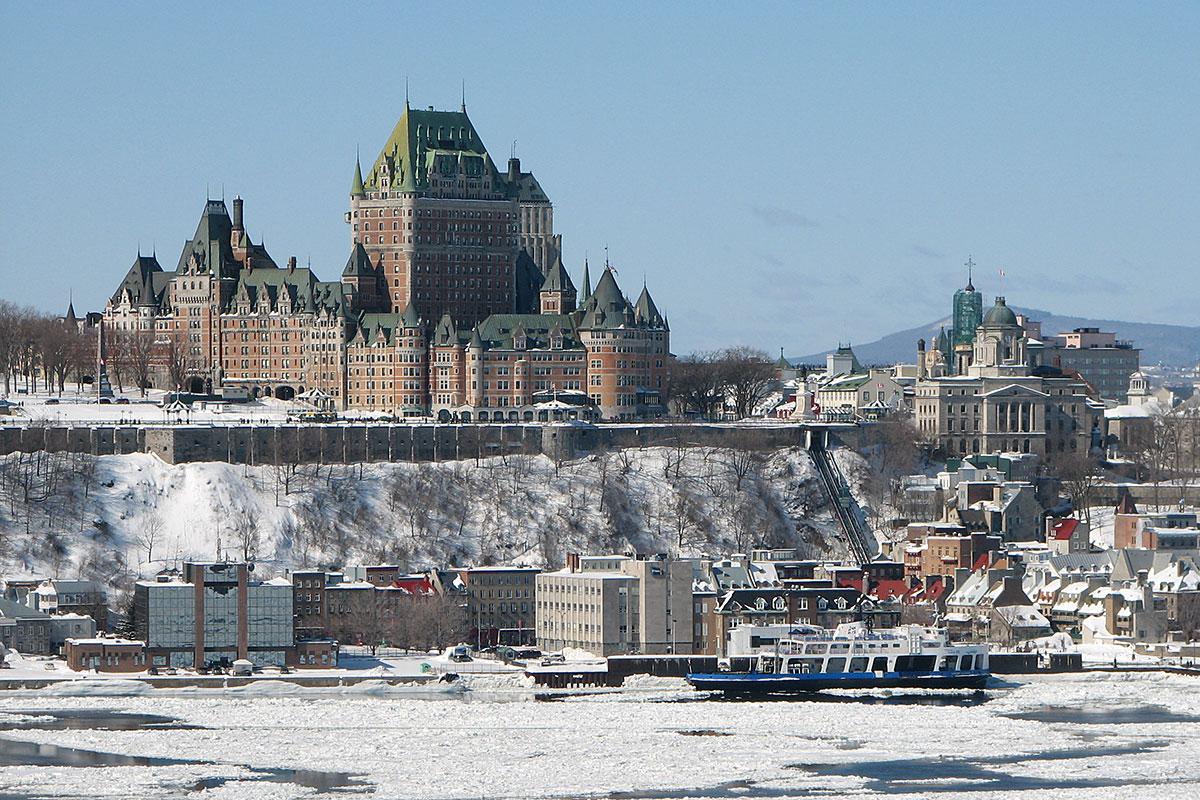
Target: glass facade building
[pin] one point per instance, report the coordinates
(231, 617)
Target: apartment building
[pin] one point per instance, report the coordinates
(616, 604)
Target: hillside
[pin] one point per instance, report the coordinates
(114, 517)
(1169, 345)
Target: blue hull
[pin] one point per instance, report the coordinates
(762, 683)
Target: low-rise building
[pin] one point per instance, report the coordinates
(501, 604)
(57, 596)
(105, 655)
(24, 629)
(69, 626)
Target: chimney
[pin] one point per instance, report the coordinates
(920, 359)
(237, 213)
(1142, 576)
(572, 562)
(291, 263)
(514, 169)
(960, 576)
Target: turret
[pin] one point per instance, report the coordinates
(357, 189)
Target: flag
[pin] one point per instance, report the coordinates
(1002, 273)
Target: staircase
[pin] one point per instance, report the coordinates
(859, 536)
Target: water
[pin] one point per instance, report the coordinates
(1075, 737)
(16, 753)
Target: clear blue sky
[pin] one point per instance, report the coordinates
(786, 175)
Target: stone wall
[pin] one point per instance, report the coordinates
(340, 444)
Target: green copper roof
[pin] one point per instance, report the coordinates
(647, 312)
(424, 140)
(357, 189)
(587, 284)
(557, 279)
(359, 263)
(1000, 315)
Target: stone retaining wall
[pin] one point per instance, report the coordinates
(344, 444)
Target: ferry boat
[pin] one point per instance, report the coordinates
(810, 659)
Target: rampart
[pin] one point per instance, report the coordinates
(353, 443)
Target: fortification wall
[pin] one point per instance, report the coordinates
(342, 444)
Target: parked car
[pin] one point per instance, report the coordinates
(550, 659)
(460, 653)
(524, 653)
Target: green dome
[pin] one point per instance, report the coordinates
(999, 316)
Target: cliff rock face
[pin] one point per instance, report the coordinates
(116, 517)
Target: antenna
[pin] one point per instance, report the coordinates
(406, 91)
(464, 95)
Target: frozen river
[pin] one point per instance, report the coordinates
(1081, 736)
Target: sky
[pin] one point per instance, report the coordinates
(780, 175)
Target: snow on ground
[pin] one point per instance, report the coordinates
(1046, 737)
(497, 510)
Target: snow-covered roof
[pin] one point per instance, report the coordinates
(106, 640)
(1022, 617)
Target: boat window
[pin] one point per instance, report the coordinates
(880, 664)
(835, 665)
(858, 664)
(923, 663)
(816, 648)
(805, 666)
(968, 662)
(838, 648)
(946, 663)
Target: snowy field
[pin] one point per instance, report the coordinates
(1078, 736)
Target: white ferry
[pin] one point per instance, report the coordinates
(852, 657)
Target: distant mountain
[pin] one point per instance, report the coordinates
(1169, 345)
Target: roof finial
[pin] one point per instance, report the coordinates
(464, 96)
(970, 265)
(405, 92)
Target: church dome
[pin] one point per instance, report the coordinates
(1000, 315)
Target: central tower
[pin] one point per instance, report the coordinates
(441, 226)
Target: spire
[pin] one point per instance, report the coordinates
(557, 279)
(647, 312)
(463, 107)
(357, 189)
(587, 283)
(970, 265)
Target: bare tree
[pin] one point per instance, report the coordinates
(243, 525)
(748, 376)
(697, 384)
(138, 351)
(9, 328)
(1080, 476)
(149, 532)
(178, 361)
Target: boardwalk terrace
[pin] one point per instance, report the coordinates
(454, 301)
